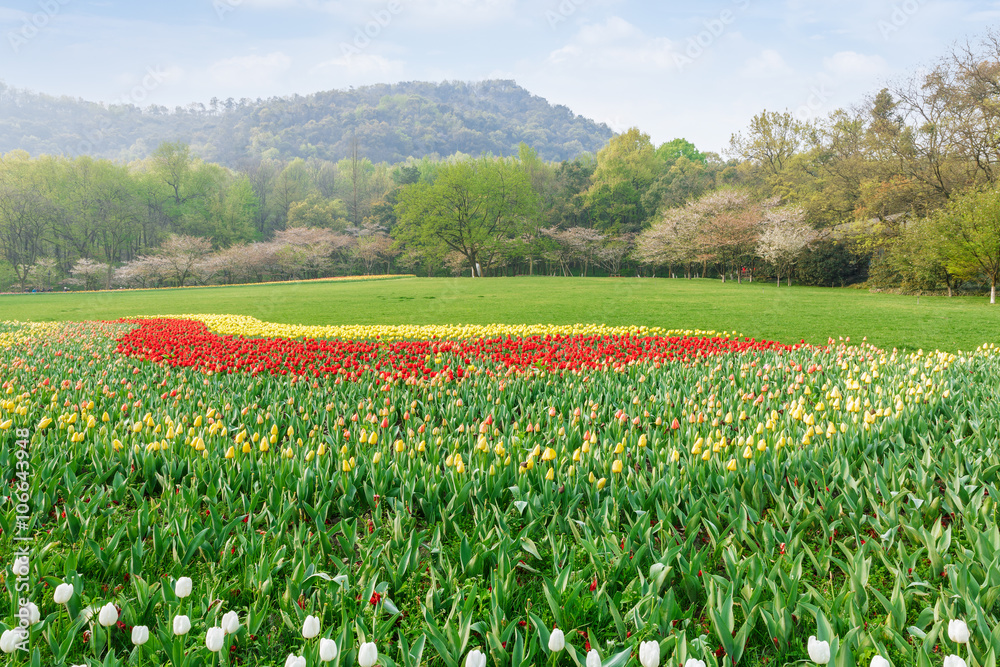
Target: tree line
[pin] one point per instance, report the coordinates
(899, 191)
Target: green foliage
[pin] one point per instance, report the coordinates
(832, 263)
(391, 123)
(473, 208)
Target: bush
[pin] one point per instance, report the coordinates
(832, 263)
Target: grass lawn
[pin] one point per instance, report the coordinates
(758, 310)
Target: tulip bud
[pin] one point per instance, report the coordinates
(475, 658)
(183, 587)
(108, 615)
(879, 661)
(958, 631)
(295, 661)
(954, 661)
(63, 594)
(692, 662)
(819, 651)
(557, 640)
(593, 658)
(214, 639)
(140, 635)
(310, 628)
(182, 624)
(230, 622)
(367, 654)
(327, 649)
(649, 654)
(11, 639)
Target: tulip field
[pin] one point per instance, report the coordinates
(192, 490)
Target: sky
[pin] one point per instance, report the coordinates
(697, 70)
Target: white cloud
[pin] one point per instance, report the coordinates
(616, 45)
(236, 70)
(852, 65)
(769, 63)
(362, 65)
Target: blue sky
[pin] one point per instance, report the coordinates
(673, 69)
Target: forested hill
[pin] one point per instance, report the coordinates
(391, 123)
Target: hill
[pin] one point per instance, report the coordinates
(391, 122)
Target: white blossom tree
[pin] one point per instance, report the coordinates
(785, 234)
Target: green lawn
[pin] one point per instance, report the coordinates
(759, 310)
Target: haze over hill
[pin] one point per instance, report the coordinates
(391, 123)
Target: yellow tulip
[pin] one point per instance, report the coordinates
(231, 452)
(616, 467)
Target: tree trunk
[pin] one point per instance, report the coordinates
(779, 280)
(993, 290)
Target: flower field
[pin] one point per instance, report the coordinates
(200, 489)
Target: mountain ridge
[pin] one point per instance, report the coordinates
(390, 122)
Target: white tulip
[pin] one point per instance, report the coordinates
(954, 661)
(214, 639)
(21, 566)
(879, 661)
(182, 588)
(63, 593)
(649, 654)
(30, 613)
(692, 662)
(11, 639)
(958, 631)
(327, 649)
(819, 651)
(593, 658)
(140, 635)
(557, 640)
(108, 615)
(475, 658)
(182, 624)
(367, 654)
(230, 622)
(311, 627)
(295, 661)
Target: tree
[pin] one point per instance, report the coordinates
(770, 142)
(373, 249)
(317, 212)
(785, 234)
(626, 167)
(181, 256)
(89, 273)
(25, 215)
(969, 227)
(471, 208)
(674, 239)
(730, 228)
